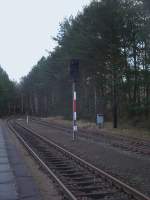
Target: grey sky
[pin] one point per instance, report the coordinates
(26, 28)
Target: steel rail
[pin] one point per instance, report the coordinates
(48, 170)
(126, 188)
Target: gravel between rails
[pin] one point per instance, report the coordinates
(129, 167)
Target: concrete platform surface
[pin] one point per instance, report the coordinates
(16, 182)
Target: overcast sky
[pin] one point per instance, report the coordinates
(26, 29)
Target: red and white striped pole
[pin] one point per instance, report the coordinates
(74, 111)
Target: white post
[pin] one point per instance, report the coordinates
(27, 119)
(74, 112)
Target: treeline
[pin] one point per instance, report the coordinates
(9, 95)
(111, 38)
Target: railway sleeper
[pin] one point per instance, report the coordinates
(70, 171)
(89, 177)
(78, 174)
(64, 168)
(91, 188)
(55, 161)
(87, 183)
(96, 195)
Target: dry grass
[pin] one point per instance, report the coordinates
(127, 130)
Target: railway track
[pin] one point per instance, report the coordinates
(124, 143)
(76, 178)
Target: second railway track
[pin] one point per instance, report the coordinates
(138, 146)
(77, 178)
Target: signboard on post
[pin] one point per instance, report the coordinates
(74, 73)
(100, 120)
(74, 69)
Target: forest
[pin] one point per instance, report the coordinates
(111, 40)
(9, 95)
